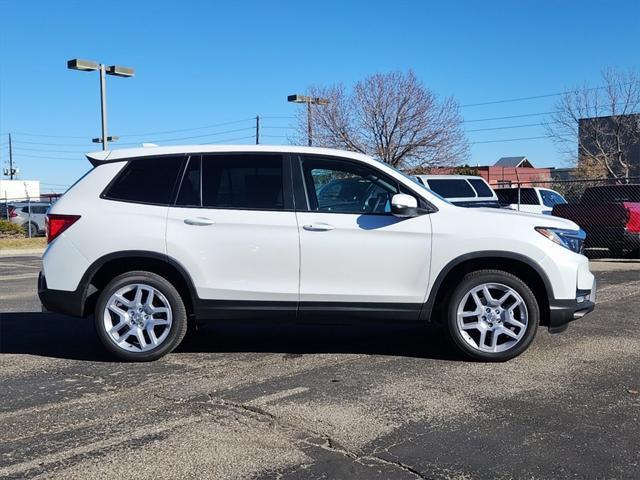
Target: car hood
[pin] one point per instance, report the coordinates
(533, 219)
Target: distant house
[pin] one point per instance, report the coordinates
(513, 162)
(507, 171)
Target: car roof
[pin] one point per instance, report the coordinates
(125, 153)
(450, 177)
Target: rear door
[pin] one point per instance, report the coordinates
(355, 255)
(234, 230)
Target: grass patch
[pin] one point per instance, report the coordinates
(22, 243)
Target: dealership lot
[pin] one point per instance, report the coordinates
(374, 401)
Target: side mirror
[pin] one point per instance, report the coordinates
(403, 205)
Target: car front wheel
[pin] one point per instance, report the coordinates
(492, 316)
(140, 316)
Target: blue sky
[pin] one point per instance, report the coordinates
(201, 63)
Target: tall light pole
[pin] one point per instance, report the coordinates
(115, 70)
(309, 101)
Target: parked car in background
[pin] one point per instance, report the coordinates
(530, 199)
(610, 214)
(461, 190)
(153, 236)
(29, 215)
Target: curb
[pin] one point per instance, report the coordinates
(22, 252)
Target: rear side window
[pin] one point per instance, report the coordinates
(612, 193)
(147, 180)
(452, 188)
(510, 196)
(481, 187)
(242, 181)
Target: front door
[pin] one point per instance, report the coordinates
(355, 256)
(234, 230)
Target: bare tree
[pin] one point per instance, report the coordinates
(600, 120)
(392, 117)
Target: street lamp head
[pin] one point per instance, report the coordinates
(83, 65)
(119, 71)
(109, 139)
(297, 98)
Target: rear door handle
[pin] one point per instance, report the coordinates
(318, 227)
(200, 221)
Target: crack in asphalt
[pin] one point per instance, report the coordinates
(328, 443)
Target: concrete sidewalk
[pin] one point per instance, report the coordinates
(22, 252)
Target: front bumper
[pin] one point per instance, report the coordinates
(60, 301)
(562, 312)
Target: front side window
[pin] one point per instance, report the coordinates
(246, 181)
(551, 198)
(481, 187)
(336, 186)
(146, 180)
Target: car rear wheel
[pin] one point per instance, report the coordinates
(140, 316)
(30, 229)
(492, 316)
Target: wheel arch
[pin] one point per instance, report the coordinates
(109, 266)
(528, 270)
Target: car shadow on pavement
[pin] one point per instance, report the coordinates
(295, 339)
(59, 336)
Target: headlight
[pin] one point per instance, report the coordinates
(571, 239)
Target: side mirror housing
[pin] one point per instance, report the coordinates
(404, 206)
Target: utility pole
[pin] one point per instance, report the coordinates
(103, 107)
(309, 101)
(10, 159)
(257, 129)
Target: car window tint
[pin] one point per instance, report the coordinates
(510, 196)
(345, 187)
(146, 180)
(612, 193)
(246, 181)
(189, 195)
(452, 188)
(481, 187)
(551, 198)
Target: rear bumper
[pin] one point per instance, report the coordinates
(562, 312)
(60, 301)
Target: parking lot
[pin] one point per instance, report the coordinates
(285, 401)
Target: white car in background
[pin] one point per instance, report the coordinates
(530, 199)
(461, 190)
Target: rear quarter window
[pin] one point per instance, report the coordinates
(146, 180)
(481, 187)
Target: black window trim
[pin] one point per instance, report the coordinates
(302, 194)
(151, 158)
(287, 191)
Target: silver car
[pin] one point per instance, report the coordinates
(31, 216)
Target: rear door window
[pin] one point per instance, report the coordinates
(510, 196)
(147, 180)
(247, 181)
(452, 188)
(551, 198)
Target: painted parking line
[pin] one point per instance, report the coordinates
(263, 400)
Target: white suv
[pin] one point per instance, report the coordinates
(153, 236)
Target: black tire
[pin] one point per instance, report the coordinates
(30, 226)
(478, 278)
(178, 326)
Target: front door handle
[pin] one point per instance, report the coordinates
(201, 221)
(318, 227)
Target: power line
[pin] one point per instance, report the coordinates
(187, 129)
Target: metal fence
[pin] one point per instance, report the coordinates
(27, 212)
(608, 210)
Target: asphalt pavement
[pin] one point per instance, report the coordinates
(378, 401)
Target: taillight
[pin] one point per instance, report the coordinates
(12, 212)
(56, 224)
(633, 217)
